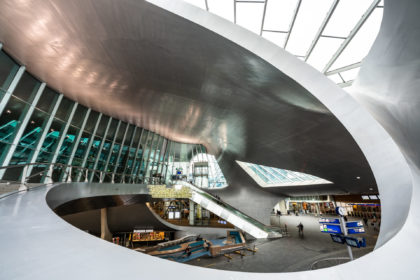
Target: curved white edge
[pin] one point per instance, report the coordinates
(388, 164)
(37, 244)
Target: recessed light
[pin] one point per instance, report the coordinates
(371, 189)
(8, 111)
(358, 178)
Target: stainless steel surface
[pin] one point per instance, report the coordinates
(140, 63)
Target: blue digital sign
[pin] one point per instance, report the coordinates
(329, 221)
(355, 230)
(326, 228)
(354, 224)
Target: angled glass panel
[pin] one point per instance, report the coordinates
(266, 176)
(362, 42)
(345, 17)
(279, 14)
(335, 78)
(26, 88)
(323, 51)
(308, 21)
(276, 38)
(222, 8)
(249, 16)
(9, 121)
(47, 100)
(350, 75)
(8, 69)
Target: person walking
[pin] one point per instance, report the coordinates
(300, 228)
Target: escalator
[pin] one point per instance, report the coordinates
(229, 213)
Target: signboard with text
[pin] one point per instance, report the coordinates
(326, 228)
(329, 221)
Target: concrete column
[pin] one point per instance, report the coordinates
(105, 233)
(318, 211)
(191, 217)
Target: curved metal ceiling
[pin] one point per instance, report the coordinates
(139, 63)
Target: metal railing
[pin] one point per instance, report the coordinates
(58, 172)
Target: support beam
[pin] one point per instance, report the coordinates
(191, 216)
(321, 28)
(263, 17)
(148, 157)
(111, 149)
(76, 145)
(99, 152)
(128, 156)
(27, 114)
(346, 42)
(135, 156)
(64, 133)
(120, 149)
(275, 31)
(11, 89)
(346, 84)
(343, 69)
(92, 138)
(44, 133)
(142, 157)
(61, 140)
(105, 232)
(292, 24)
(234, 11)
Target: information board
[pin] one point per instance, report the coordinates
(354, 224)
(329, 221)
(326, 228)
(355, 230)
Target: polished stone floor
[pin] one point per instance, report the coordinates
(291, 253)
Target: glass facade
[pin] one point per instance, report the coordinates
(68, 141)
(267, 176)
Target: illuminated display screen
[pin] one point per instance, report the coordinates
(148, 236)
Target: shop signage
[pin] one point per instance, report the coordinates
(161, 191)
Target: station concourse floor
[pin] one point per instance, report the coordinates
(291, 253)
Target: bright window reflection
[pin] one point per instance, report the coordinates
(206, 172)
(275, 177)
